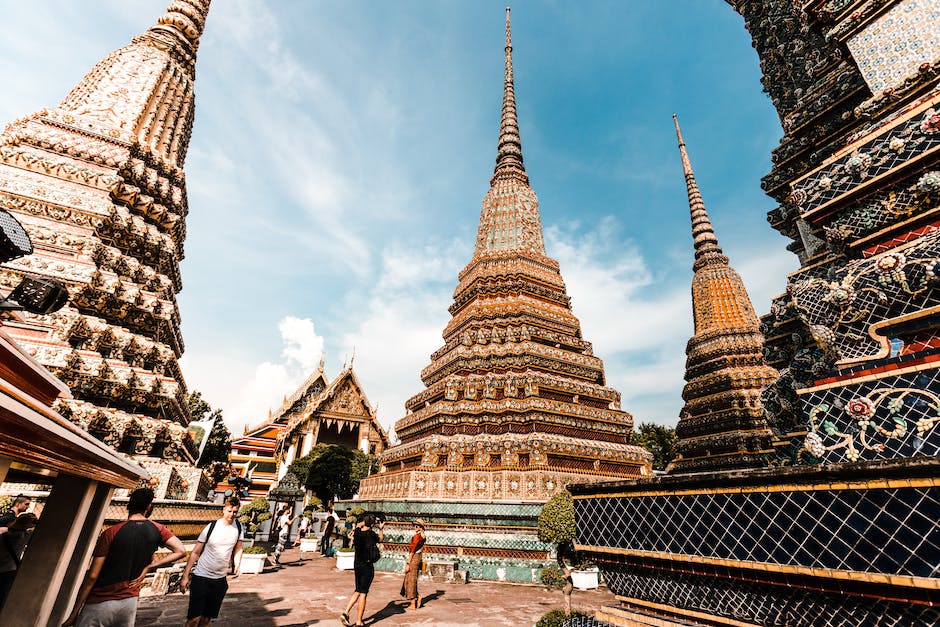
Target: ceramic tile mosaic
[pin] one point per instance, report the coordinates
(757, 603)
(879, 530)
(894, 45)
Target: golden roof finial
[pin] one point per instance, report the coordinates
(509, 148)
(703, 235)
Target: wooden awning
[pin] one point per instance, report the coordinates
(32, 433)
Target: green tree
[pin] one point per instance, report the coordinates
(330, 474)
(658, 440)
(333, 471)
(215, 454)
(363, 465)
(556, 520)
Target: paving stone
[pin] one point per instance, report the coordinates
(314, 592)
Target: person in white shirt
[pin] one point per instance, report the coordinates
(284, 522)
(219, 545)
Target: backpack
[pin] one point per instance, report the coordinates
(238, 526)
(374, 553)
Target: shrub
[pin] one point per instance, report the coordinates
(552, 577)
(556, 521)
(556, 618)
(255, 549)
(347, 549)
(255, 513)
(314, 505)
(6, 503)
(355, 514)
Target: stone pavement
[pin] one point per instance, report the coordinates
(314, 592)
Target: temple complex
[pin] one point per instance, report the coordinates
(839, 528)
(515, 404)
(317, 412)
(98, 184)
(722, 424)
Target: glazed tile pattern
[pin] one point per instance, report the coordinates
(758, 603)
(895, 44)
(841, 544)
(888, 531)
(886, 416)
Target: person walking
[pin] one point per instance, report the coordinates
(284, 522)
(365, 543)
(218, 546)
(12, 544)
(121, 559)
(326, 542)
(409, 587)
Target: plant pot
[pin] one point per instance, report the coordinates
(252, 563)
(345, 560)
(586, 579)
(309, 545)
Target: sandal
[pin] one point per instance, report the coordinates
(344, 618)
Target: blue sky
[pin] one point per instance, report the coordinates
(341, 151)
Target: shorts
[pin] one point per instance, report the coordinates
(205, 596)
(365, 573)
(117, 613)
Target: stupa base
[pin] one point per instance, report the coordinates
(492, 541)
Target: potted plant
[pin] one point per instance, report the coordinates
(253, 558)
(556, 524)
(253, 514)
(345, 558)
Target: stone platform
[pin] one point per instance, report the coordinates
(313, 592)
(489, 541)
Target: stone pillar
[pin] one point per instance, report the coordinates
(56, 558)
(308, 443)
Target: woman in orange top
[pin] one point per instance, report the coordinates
(409, 588)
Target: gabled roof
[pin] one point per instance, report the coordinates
(334, 402)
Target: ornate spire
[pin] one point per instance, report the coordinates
(509, 149)
(707, 249)
(721, 425)
(186, 19)
(509, 218)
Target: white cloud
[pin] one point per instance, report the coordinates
(245, 394)
(405, 317)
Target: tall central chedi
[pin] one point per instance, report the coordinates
(98, 184)
(515, 405)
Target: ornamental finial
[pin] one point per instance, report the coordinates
(509, 149)
(703, 235)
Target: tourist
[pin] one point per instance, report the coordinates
(409, 588)
(365, 543)
(304, 527)
(12, 544)
(218, 546)
(284, 522)
(326, 542)
(20, 504)
(122, 558)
